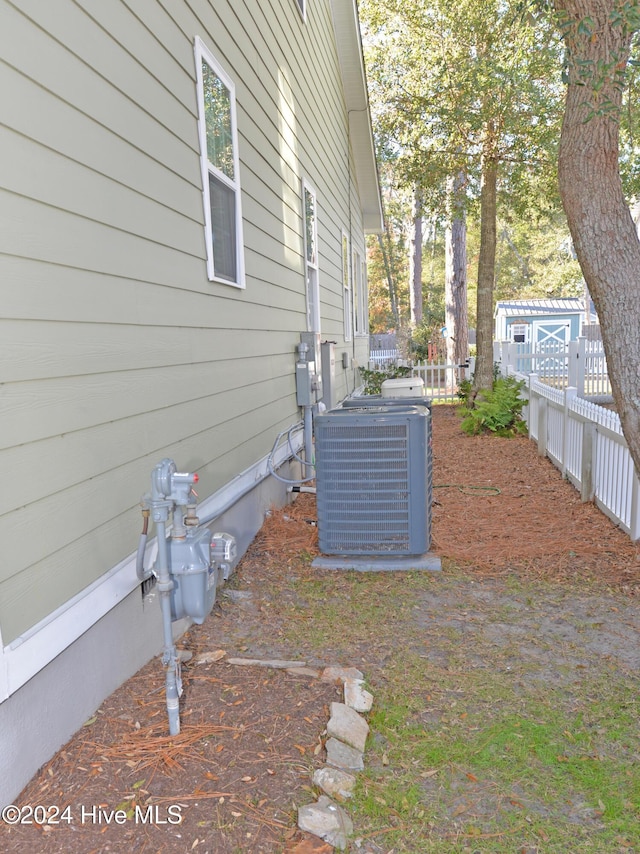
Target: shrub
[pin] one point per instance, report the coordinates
(464, 390)
(373, 379)
(498, 410)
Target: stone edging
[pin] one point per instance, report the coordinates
(347, 732)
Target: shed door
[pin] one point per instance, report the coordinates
(551, 334)
(551, 337)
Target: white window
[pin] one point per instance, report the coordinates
(220, 170)
(346, 288)
(520, 333)
(359, 295)
(310, 217)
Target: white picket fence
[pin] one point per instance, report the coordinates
(379, 358)
(583, 439)
(581, 364)
(585, 442)
(441, 381)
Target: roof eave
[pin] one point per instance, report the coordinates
(349, 45)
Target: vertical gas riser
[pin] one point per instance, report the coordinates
(374, 482)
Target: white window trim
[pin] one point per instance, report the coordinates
(365, 298)
(347, 288)
(203, 53)
(359, 297)
(302, 10)
(311, 270)
(520, 329)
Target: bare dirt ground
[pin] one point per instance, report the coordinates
(251, 737)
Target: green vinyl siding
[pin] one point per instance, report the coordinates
(115, 349)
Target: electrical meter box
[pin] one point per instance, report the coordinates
(194, 575)
(308, 371)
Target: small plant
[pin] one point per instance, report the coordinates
(498, 410)
(464, 390)
(373, 379)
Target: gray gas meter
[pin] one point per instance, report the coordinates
(184, 566)
(195, 577)
(186, 572)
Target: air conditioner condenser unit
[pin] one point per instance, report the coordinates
(374, 480)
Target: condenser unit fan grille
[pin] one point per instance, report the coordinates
(373, 481)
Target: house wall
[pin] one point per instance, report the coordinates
(115, 349)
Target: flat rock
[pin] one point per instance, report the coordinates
(276, 663)
(357, 697)
(335, 673)
(348, 726)
(211, 657)
(304, 671)
(342, 756)
(336, 783)
(328, 821)
(238, 595)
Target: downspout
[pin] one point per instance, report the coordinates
(364, 109)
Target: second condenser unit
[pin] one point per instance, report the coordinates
(373, 480)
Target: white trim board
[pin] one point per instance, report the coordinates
(32, 651)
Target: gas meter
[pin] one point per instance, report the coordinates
(184, 559)
(186, 574)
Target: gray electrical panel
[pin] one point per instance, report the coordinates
(374, 480)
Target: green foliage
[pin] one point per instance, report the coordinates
(373, 379)
(465, 388)
(497, 410)
(428, 333)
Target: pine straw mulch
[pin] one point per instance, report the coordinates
(502, 508)
(251, 737)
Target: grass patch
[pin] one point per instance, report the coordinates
(480, 741)
(512, 769)
(485, 735)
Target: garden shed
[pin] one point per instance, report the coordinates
(542, 322)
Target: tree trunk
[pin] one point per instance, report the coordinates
(600, 222)
(393, 300)
(415, 265)
(455, 277)
(483, 377)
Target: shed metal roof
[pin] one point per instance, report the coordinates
(520, 308)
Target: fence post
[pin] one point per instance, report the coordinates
(531, 379)
(587, 479)
(569, 395)
(581, 366)
(634, 526)
(572, 379)
(542, 426)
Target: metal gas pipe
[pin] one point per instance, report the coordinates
(170, 495)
